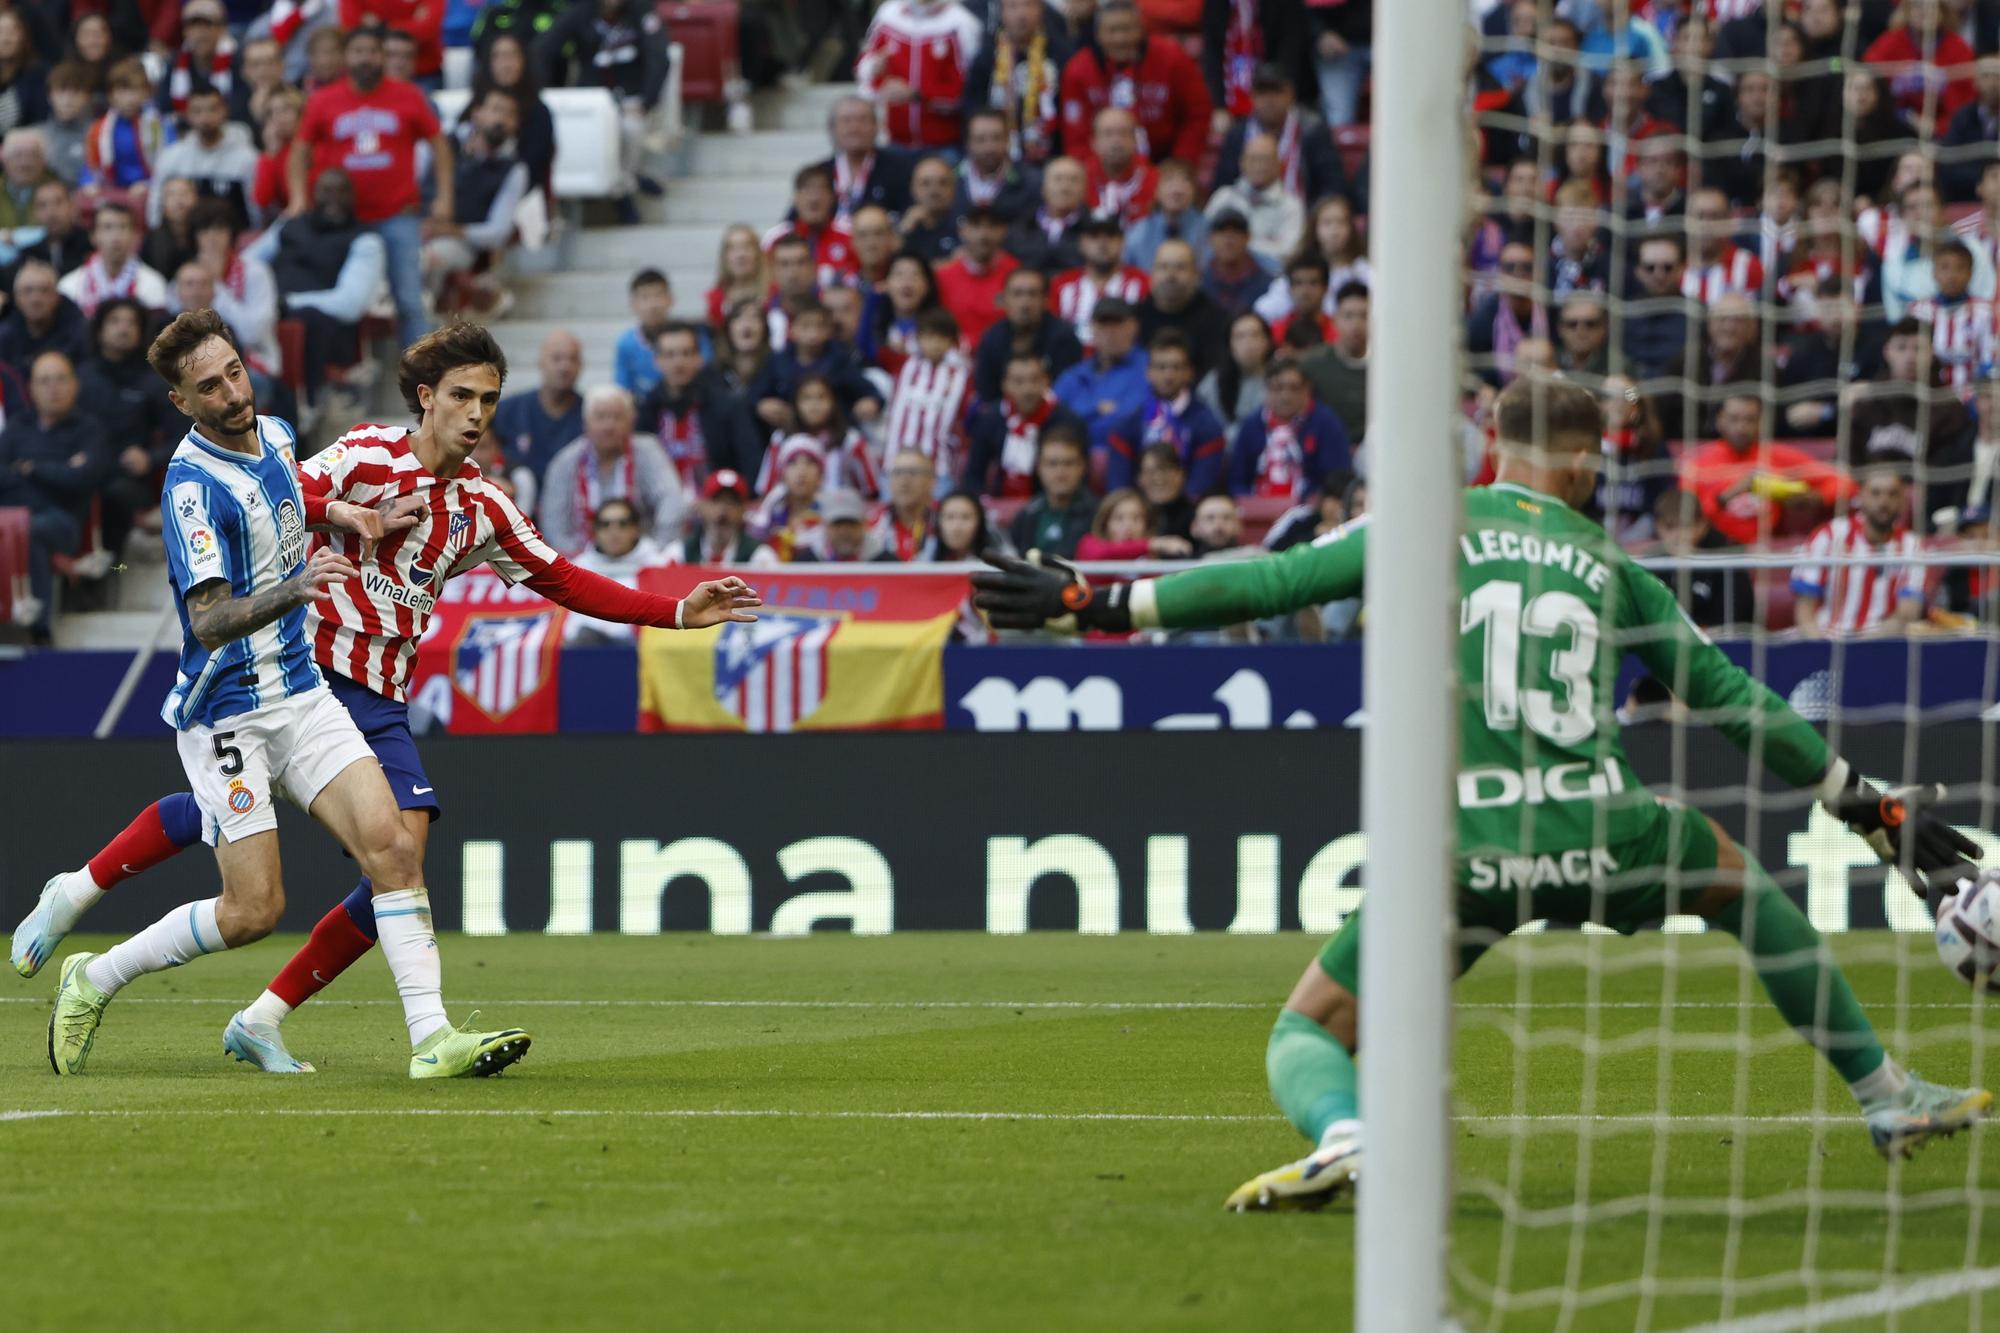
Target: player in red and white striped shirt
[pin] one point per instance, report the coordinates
(1075, 293)
(1881, 596)
(412, 512)
(933, 393)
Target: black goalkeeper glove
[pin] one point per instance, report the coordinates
(1046, 591)
(1900, 826)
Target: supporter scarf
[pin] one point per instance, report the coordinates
(982, 189)
(1113, 196)
(1027, 119)
(589, 494)
(1164, 424)
(1242, 48)
(906, 539)
(181, 81)
(1054, 228)
(97, 287)
(1619, 442)
(1291, 162)
(1281, 469)
(1017, 452)
(288, 16)
(850, 184)
(681, 435)
(147, 134)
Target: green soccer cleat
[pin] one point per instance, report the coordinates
(1921, 1112)
(1314, 1181)
(261, 1045)
(73, 1024)
(462, 1053)
(43, 929)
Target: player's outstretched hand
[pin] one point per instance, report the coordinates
(718, 601)
(1045, 591)
(1902, 828)
(326, 568)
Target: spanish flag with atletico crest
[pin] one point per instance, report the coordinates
(834, 648)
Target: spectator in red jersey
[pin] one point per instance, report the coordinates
(989, 176)
(932, 396)
(718, 536)
(1170, 414)
(1123, 529)
(1929, 66)
(206, 55)
(930, 225)
(1309, 164)
(863, 171)
(1277, 219)
(1073, 295)
(1499, 323)
(1287, 450)
(1026, 328)
(889, 325)
(1059, 515)
(903, 525)
(1004, 436)
(1122, 183)
(846, 458)
(813, 222)
(1749, 489)
(1662, 168)
(1177, 302)
(1717, 267)
(700, 424)
(1885, 596)
(970, 285)
(811, 350)
(370, 127)
(609, 462)
(742, 273)
(269, 190)
(420, 20)
(1154, 79)
(1306, 281)
(914, 63)
(621, 46)
(1019, 74)
(1047, 238)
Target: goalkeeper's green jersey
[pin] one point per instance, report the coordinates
(1548, 607)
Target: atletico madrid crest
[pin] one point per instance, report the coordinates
(771, 673)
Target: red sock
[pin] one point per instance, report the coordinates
(144, 844)
(336, 945)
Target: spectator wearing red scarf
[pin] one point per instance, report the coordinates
(1239, 38)
(1005, 436)
(1155, 80)
(1122, 182)
(1286, 450)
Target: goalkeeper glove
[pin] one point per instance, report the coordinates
(1901, 828)
(1046, 591)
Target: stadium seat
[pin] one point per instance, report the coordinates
(13, 559)
(706, 31)
(586, 122)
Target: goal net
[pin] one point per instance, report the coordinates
(1766, 236)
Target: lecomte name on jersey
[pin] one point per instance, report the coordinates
(1506, 544)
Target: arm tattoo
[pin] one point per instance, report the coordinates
(217, 618)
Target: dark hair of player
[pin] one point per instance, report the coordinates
(438, 353)
(1534, 410)
(181, 339)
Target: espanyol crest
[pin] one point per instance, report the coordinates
(772, 672)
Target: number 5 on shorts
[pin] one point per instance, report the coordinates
(228, 756)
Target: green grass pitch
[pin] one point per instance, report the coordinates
(792, 1134)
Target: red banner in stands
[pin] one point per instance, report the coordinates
(850, 591)
(489, 658)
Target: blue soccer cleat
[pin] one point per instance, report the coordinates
(261, 1045)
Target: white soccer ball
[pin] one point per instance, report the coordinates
(1968, 932)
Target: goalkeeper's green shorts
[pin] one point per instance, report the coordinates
(1625, 885)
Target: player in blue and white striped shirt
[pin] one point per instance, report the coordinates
(255, 719)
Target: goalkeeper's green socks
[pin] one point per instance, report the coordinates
(1806, 984)
(1312, 1075)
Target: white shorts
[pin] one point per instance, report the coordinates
(292, 748)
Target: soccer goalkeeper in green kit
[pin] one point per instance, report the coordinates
(1553, 824)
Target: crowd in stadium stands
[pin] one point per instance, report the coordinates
(1090, 277)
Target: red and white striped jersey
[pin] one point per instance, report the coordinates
(1974, 231)
(1074, 294)
(849, 465)
(1961, 338)
(927, 411)
(1736, 270)
(1853, 598)
(367, 630)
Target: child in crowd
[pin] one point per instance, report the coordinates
(848, 462)
(125, 140)
(66, 133)
(652, 298)
(812, 350)
(790, 510)
(1124, 529)
(933, 392)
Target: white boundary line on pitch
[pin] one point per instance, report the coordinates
(1169, 1006)
(775, 1113)
(1886, 1299)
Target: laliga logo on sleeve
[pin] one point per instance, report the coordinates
(241, 799)
(201, 543)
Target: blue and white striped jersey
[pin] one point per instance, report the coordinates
(230, 516)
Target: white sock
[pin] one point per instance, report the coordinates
(181, 936)
(75, 895)
(403, 928)
(267, 1008)
(1339, 1129)
(1887, 1081)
